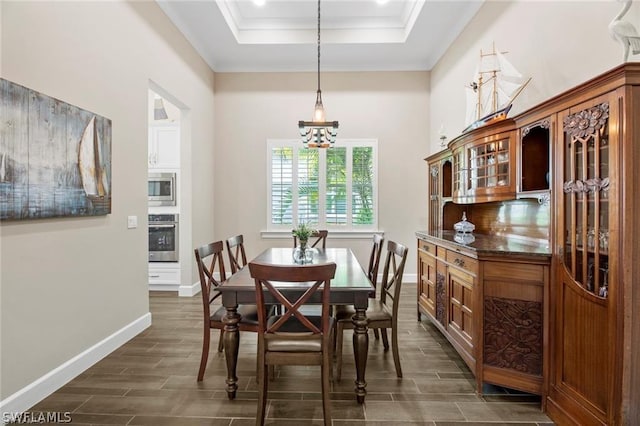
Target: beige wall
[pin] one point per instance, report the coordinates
(69, 283)
(392, 107)
(558, 43)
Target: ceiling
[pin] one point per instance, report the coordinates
(356, 35)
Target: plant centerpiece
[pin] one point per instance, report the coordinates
(303, 232)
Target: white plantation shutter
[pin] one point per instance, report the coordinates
(308, 188)
(362, 186)
(334, 188)
(281, 186)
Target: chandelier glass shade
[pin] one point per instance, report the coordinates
(318, 133)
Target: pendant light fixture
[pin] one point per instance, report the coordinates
(318, 133)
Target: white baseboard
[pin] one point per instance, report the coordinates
(189, 290)
(164, 287)
(409, 278)
(36, 391)
(406, 278)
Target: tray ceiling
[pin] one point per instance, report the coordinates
(356, 35)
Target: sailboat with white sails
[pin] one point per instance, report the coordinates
(92, 174)
(496, 83)
(3, 168)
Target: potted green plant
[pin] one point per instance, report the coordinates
(303, 232)
(301, 254)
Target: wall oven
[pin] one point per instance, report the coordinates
(162, 189)
(163, 238)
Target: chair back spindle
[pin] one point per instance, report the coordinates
(374, 260)
(237, 255)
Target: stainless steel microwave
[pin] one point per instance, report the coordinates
(162, 189)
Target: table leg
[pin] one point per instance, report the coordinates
(360, 349)
(231, 344)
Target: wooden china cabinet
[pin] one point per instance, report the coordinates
(546, 298)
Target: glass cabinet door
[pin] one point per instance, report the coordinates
(459, 172)
(434, 196)
(586, 198)
(489, 165)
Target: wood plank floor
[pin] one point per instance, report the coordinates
(151, 381)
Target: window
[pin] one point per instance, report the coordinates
(334, 188)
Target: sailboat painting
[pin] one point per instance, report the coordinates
(496, 83)
(55, 158)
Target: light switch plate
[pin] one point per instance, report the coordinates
(132, 222)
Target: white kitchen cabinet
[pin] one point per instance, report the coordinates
(164, 276)
(164, 147)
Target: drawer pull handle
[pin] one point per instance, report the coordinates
(154, 276)
(425, 248)
(459, 262)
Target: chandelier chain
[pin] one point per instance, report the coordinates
(318, 45)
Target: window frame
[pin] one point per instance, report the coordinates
(349, 229)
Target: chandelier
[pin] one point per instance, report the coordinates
(318, 133)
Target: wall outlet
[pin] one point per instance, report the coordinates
(132, 222)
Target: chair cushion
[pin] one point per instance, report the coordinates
(249, 314)
(375, 312)
(295, 337)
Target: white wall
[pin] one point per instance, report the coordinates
(558, 43)
(392, 107)
(68, 283)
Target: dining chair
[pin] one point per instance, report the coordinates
(235, 250)
(209, 259)
(372, 274)
(383, 312)
(320, 236)
(293, 338)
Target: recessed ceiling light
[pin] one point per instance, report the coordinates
(259, 3)
(382, 2)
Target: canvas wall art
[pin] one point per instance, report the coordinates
(55, 158)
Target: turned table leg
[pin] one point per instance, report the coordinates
(360, 349)
(231, 344)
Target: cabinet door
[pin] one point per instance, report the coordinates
(435, 196)
(164, 147)
(440, 179)
(427, 296)
(585, 320)
(459, 173)
(460, 307)
(490, 165)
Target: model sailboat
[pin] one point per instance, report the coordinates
(495, 85)
(92, 174)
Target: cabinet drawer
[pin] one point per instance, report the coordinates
(462, 261)
(164, 276)
(428, 247)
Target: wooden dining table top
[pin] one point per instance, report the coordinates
(349, 276)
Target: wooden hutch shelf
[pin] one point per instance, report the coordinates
(546, 298)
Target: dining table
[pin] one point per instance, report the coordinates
(350, 286)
